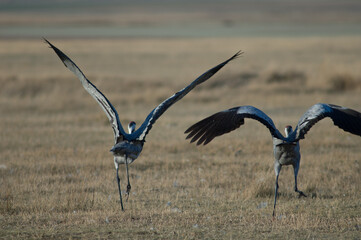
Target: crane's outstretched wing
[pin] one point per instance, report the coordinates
(347, 119)
(94, 92)
(143, 130)
(226, 121)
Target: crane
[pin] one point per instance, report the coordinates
(286, 148)
(128, 146)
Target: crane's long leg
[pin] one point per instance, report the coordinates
(277, 171)
(276, 193)
(120, 192)
(128, 186)
(296, 168)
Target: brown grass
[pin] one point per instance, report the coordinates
(57, 176)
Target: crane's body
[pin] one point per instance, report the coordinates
(125, 148)
(286, 148)
(286, 153)
(128, 146)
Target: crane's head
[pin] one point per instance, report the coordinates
(131, 127)
(288, 130)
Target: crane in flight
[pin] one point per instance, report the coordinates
(128, 146)
(286, 149)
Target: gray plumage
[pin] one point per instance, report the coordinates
(128, 146)
(286, 149)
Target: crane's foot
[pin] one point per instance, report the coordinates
(300, 194)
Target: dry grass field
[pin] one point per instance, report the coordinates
(57, 175)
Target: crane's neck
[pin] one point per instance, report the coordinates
(288, 130)
(131, 127)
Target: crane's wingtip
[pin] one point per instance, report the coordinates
(60, 54)
(202, 142)
(187, 131)
(206, 141)
(235, 56)
(238, 54)
(46, 41)
(192, 140)
(199, 143)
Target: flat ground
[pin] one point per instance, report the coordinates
(58, 178)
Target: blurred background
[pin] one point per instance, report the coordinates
(176, 18)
